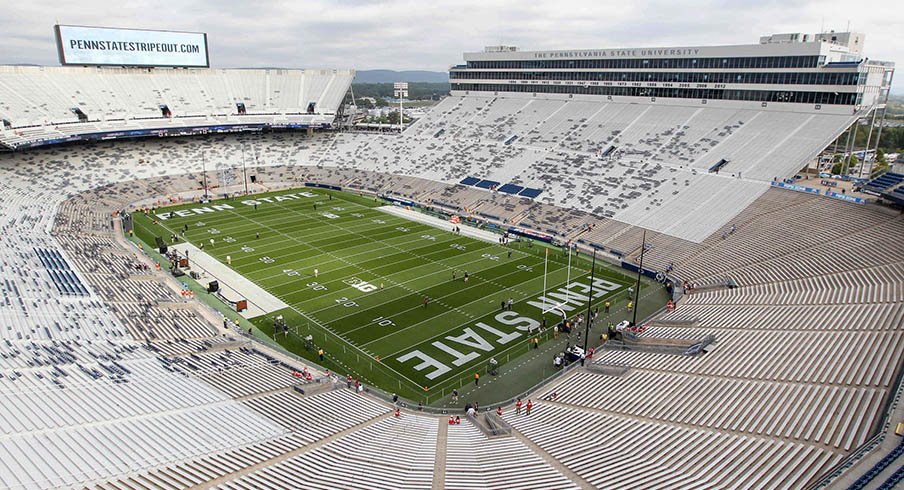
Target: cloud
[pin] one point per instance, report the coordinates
(432, 35)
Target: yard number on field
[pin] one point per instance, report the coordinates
(384, 322)
(346, 302)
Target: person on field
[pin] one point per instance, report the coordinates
(426, 300)
(476, 379)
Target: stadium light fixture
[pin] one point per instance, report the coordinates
(400, 90)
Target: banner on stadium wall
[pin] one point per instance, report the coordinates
(530, 234)
(795, 187)
(845, 197)
(397, 201)
(98, 46)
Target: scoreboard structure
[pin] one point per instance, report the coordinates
(106, 46)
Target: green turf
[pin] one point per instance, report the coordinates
(365, 308)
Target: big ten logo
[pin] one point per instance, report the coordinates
(363, 286)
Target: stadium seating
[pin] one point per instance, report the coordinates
(643, 165)
(115, 388)
(883, 182)
(39, 101)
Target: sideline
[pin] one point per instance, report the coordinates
(418, 217)
(233, 284)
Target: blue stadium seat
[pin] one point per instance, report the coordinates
(487, 184)
(529, 192)
(511, 189)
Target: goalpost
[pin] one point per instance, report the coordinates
(556, 308)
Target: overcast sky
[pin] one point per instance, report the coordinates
(432, 34)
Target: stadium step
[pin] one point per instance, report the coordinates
(439, 464)
(574, 477)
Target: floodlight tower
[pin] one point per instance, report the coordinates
(400, 89)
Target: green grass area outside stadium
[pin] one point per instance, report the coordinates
(365, 305)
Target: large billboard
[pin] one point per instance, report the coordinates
(79, 45)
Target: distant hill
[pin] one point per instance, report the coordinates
(389, 76)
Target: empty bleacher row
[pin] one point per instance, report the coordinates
(238, 373)
(475, 461)
(612, 451)
(801, 412)
(390, 453)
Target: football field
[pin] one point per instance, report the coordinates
(385, 297)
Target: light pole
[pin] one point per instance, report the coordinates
(643, 248)
(204, 174)
(400, 89)
(589, 302)
(244, 173)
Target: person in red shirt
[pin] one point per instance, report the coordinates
(499, 411)
(451, 420)
(530, 405)
(518, 407)
(398, 412)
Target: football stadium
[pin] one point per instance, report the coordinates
(613, 268)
